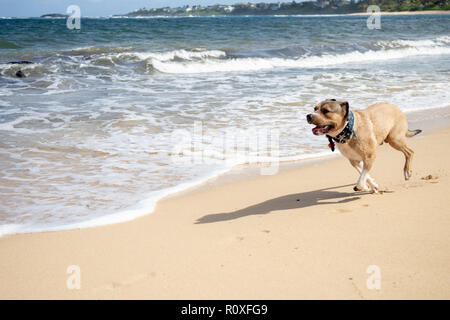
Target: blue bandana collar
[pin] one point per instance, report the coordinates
(346, 134)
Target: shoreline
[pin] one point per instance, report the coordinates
(425, 12)
(300, 234)
(418, 118)
(393, 13)
(387, 13)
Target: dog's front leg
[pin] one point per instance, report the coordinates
(372, 184)
(358, 165)
(361, 185)
(365, 177)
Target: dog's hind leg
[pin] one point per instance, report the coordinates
(400, 145)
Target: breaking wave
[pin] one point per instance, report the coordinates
(197, 60)
(396, 49)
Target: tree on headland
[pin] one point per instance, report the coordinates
(408, 5)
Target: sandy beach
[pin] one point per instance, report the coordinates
(300, 234)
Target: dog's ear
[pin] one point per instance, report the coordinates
(345, 108)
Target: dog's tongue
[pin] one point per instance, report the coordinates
(317, 129)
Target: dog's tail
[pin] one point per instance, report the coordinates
(412, 133)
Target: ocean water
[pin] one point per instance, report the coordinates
(112, 117)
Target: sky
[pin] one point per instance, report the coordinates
(93, 8)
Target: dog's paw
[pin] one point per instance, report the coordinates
(407, 174)
(361, 188)
(374, 188)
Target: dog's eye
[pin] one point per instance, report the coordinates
(324, 111)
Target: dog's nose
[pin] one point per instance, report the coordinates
(309, 118)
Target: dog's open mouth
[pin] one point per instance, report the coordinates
(322, 129)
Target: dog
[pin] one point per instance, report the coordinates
(358, 133)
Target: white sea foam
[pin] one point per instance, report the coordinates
(437, 42)
(203, 61)
(146, 206)
(254, 64)
(180, 54)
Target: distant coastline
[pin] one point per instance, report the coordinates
(318, 7)
(54, 15)
(387, 13)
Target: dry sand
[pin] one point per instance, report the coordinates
(302, 233)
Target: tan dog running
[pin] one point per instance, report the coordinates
(358, 134)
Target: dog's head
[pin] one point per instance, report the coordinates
(329, 117)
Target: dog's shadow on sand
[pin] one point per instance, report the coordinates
(291, 201)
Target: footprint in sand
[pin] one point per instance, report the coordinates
(431, 177)
(340, 210)
(131, 280)
(347, 210)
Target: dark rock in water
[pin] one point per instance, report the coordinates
(54, 15)
(20, 74)
(20, 62)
